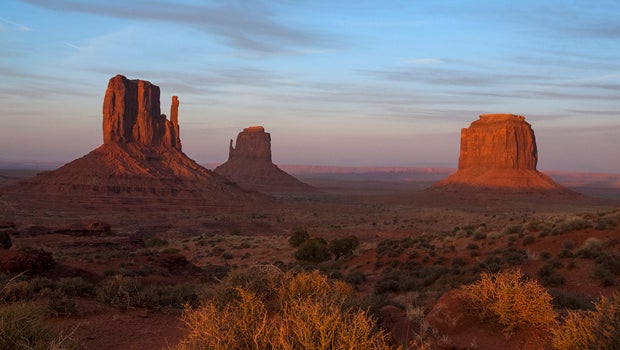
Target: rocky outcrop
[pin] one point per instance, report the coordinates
(252, 143)
(131, 113)
(249, 164)
(498, 141)
(498, 151)
(141, 156)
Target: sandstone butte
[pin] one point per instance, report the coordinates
(140, 155)
(249, 164)
(498, 151)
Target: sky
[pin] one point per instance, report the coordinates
(350, 83)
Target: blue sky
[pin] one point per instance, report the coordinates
(384, 83)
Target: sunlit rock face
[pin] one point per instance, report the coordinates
(141, 155)
(252, 143)
(503, 141)
(131, 113)
(498, 151)
(249, 164)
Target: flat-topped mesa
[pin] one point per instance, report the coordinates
(498, 151)
(131, 113)
(252, 143)
(498, 141)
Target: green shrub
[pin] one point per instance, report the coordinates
(528, 240)
(513, 256)
(571, 300)
(549, 277)
(591, 248)
(479, 236)
(60, 305)
(156, 242)
(5, 240)
(76, 287)
(343, 246)
(314, 250)
(298, 237)
(514, 229)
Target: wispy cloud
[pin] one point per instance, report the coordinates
(424, 61)
(71, 45)
(15, 26)
(247, 25)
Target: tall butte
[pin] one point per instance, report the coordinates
(498, 151)
(249, 164)
(140, 155)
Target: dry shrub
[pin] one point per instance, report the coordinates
(22, 326)
(311, 313)
(241, 324)
(596, 329)
(510, 300)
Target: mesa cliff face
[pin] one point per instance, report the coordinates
(131, 113)
(498, 141)
(249, 164)
(141, 154)
(498, 151)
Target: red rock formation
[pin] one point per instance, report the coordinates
(131, 113)
(141, 155)
(249, 164)
(252, 143)
(495, 141)
(498, 151)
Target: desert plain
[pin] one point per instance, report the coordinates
(114, 248)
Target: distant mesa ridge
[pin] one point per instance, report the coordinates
(249, 164)
(498, 151)
(140, 155)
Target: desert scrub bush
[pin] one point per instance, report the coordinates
(571, 300)
(22, 327)
(156, 242)
(76, 287)
(5, 240)
(125, 293)
(479, 236)
(298, 237)
(528, 240)
(571, 223)
(591, 248)
(595, 329)
(510, 300)
(343, 246)
(512, 256)
(514, 229)
(20, 288)
(312, 312)
(314, 250)
(549, 277)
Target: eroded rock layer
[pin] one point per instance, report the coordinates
(249, 164)
(498, 151)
